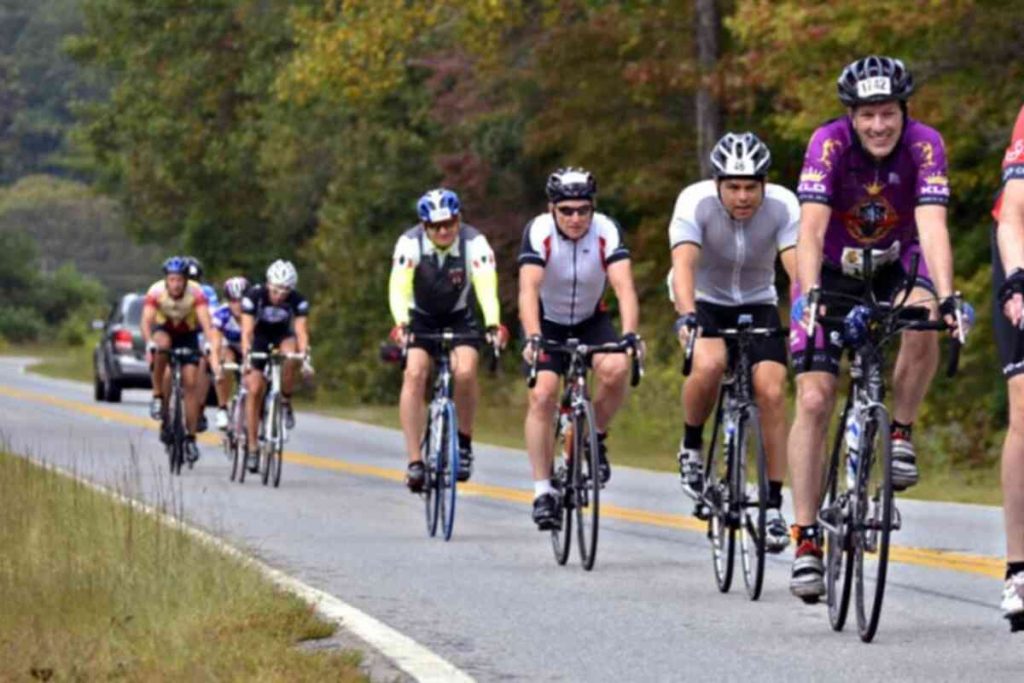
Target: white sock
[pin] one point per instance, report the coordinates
(541, 487)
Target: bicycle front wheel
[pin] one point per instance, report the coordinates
(448, 473)
(428, 451)
(177, 431)
(586, 483)
(561, 539)
(873, 512)
(752, 503)
(277, 444)
(273, 407)
(838, 551)
(721, 532)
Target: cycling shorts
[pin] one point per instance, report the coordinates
(183, 340)
(714, 317)
(459, 322)
(597, 329)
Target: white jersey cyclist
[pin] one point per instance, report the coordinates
(737, 263)
(575, 277)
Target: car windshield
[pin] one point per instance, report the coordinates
(133, 315)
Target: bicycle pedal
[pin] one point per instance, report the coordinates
(702, 512)
(897, 519)
(811, 599)
(1016, 622)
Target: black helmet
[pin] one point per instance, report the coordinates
(195, 268)
(571, 183)
(874, 79)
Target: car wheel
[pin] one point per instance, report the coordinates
(113, 392)
(99, 392)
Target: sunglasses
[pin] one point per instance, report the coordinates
(568, 211)
(434, 227)
(274, 289)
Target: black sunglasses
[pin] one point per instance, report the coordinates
(434, 227)
(568, 211)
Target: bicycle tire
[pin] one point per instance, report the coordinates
(430, 494)
(267, 445)
(277, 445)
(873, 508)
(721, 533)
(239, 439)
(177, 429)
(561, 539)
(587, 483)
(753, 522)
(449, 470)
(838, 553)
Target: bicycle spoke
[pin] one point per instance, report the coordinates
(753, 506)
(872, 522)
(587, 483)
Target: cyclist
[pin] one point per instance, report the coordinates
(872, 178)
(194, 270)
(568, 256)
(273, 314)
(228, 340)
(725, 234)
(1008, 286)
(174, 312)
(440, 268)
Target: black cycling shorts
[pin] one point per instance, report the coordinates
(888, 284)
(262, 341)
(597, 329)
(183, 340)
(1008, 338)
(459, 322)
(715, 317)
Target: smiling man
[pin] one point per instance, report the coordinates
(877, 179)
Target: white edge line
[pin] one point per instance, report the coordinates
(408, 655)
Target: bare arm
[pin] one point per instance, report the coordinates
(684, 277)
(302, 334)
(1010, 237)
(788, 258)
(148, 316)
(248, 326)
(810, 243)
(530, 278)
(934, 237)
(206, 325)
(620, 276)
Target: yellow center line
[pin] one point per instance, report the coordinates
(984, 565)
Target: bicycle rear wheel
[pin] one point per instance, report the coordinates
(449, 469)
(268, 444)
(239, 439)
(561, 539)
(838, 551)
(586, 483)
(721, 532)
(873, 507)
(277, 444)
(753, 511)
(428, 451)
(177, 430)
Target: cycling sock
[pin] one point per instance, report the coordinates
(693, 436)
(541, 487)
(601, 436)
(774, 494)
(1013, 568)
(465, 441)
(807, 533)
(901, 431)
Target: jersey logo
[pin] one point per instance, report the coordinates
(871, 219)
(457, 276)
(1015, 152)
(830, 149)
(927, 153)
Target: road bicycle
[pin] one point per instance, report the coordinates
(273, 431)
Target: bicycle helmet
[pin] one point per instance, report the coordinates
(570, 183)
(438, 205)
(282, 273)
(234, 288)
(195, 268)
(874, 79)
(175, 264)
(740, 155)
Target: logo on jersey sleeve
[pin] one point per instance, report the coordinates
(1014, 152)
(811, 182)
(927, 153)
(936, 185)
(830, 149)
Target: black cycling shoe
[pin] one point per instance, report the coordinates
(465, 464)
(191, 449)
(416, 476)
(289, 415)
(203, 424)
(604, 468)
(252, 462)
(547, 513)
(165, 434)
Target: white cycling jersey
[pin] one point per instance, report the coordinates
(574, 270)
(737, 258)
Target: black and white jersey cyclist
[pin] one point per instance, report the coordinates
(273, 314)
(725, 235)
(568, 257)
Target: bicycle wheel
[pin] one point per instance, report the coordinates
(177, 430)
(721, 533)
(561, 539)
(277, 445)
(873, 505)
(838, 552)
(270, 423)
(239, 439)
(448, 470)
(428, 451)
(752, 504)
(586, 483)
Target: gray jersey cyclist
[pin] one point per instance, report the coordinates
(725, 236)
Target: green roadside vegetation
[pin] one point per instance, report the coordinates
(91, 589)
(58, 360)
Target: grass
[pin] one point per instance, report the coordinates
(58, 360)
(91, 589)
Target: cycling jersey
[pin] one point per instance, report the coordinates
(176, 316)
(873, 201)
(574, 270)
(737, 258)
(435, 281)
(274, 320)
(211, 295)
(1013, 161)
(225, 322)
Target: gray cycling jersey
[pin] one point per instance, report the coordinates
(737, 258)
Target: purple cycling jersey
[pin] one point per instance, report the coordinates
(872, 201)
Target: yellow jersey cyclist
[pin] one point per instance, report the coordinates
(442, 268)
(174, 312)
(569, 255)
(275, 315)
(725, 235)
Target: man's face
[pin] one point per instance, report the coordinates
(443, 233)
(175, 284)
(878, 126)
(741, 197)
(277, 294)
(573, 216)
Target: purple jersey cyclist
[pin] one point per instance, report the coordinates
(876, 179)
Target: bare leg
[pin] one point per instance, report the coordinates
(769, 392)
(465, 360)
(815, 400)
(540, 436)
(1013, 473)
(612, 372)
(412, 412)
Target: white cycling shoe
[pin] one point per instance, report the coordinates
(221, 419)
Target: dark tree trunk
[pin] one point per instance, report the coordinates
(708, 26)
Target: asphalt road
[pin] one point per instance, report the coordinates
(493, 602)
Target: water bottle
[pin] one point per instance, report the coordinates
(852, 436)
(565, 428)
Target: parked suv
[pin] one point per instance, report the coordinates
(119, 360)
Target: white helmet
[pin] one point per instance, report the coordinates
(235, 287)
(740, 155)
(282, 274)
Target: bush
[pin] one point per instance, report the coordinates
(20, 324)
